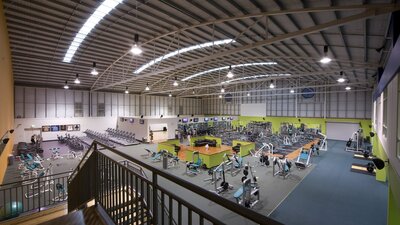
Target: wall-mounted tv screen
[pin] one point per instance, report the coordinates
(185, 120)
(205, 119)
(131, 120)
(215, 118)
(141, 121)
(223, 118)
(195, 120)
(55, 127)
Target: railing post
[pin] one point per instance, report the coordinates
(96, 168)
(39, 195)
(154, 199)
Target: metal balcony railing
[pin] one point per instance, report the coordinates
(129, 197)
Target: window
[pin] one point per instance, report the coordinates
(101, 109)
(78, 109)
(384, 112)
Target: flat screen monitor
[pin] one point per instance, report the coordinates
(55, 127)
(215, 118)
(141, 121)
(185, 120)
(205, 119)
(195, 120)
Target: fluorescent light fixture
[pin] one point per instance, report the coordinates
(341, 80)
(147, 87)
(90, 23)
(257, 76)
(183, 50)
(348, 88)
(219, 96)
(77, 81)
(272, 85)
(126, 90)
(136, 50)
(230, 74)
(248, 94)
(325, 60)
(66, 85)
(291, 91)
(175, 82)
(94, 71)
(227, 67)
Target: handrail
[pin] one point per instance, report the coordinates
(35, 194)
(134, 166)
(238, 209)
(41, 178)
(77, 168)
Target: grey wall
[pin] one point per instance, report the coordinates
(352, 104)
(32, 102)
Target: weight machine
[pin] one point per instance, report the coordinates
(355, 143)
(323, 144)
(248, 194)
(235, 162)
(224, 185)
(304, 158)
(62, 193)
(281, 167)
(193, 167)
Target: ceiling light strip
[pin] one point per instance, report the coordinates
(183, 50)
(227, 67)
(257, 76)
(90, 23)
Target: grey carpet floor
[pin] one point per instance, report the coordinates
(331, 194)
(273, 190)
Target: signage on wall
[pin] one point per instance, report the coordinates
(308, 92)
(56, 128)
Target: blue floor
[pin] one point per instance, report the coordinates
(331, 194)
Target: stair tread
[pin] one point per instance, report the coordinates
(87, 216)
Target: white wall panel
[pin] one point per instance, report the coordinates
(341, 131)
(253, 109)
(60, 110)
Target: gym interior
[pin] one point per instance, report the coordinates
(200, 112)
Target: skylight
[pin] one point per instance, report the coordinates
(257, 76)
(227, 67)
(183, 50)
(90, 23)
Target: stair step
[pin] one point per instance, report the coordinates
(38, 217)
(86, 216)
